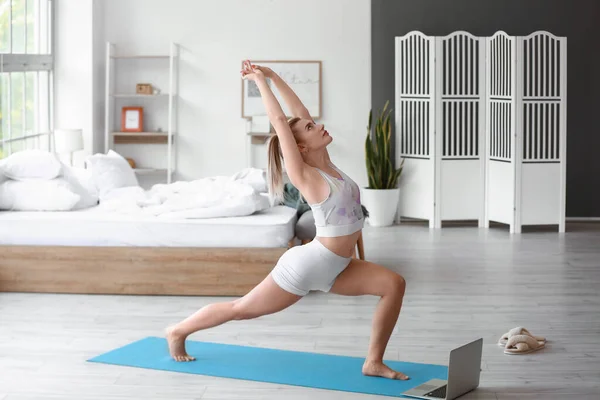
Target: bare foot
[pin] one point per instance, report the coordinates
(177, 346)
(378, 368)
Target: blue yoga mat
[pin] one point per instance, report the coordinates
(270, 365)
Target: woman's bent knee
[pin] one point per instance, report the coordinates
(397, 285)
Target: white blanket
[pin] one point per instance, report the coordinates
(203, 198)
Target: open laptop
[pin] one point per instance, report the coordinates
(464, 369)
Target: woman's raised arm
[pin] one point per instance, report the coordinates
(295, 166)
(297, 108)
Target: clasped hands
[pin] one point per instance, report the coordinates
(255, 72)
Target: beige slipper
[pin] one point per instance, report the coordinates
(519, 331)
(522, 344)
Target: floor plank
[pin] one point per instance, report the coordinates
(463, 283)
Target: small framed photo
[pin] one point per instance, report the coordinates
(132, 119)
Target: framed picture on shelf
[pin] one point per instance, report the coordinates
(303, 77)
(132, 119)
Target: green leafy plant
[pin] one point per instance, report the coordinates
(380, 169)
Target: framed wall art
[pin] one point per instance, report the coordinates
(304, 77)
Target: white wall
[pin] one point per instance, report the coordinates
(215, 36)
(73, 74)
(98, 66)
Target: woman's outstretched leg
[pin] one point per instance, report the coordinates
(266, 298)
(365, 278)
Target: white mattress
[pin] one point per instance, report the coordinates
(273, 227)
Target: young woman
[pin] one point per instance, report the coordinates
(326, 263)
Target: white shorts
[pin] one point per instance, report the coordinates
(308, 267)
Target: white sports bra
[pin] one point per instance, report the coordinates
(340, 214)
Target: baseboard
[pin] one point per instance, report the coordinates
(567, 219)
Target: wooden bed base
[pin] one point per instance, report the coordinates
(187, 271)
(135, 270)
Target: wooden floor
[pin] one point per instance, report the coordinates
(463, 283)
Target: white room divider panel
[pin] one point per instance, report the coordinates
(526, 156)
(460, 127)
(415, 124)
(501, 149)
(439, 126)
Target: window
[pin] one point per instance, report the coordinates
(26, 64)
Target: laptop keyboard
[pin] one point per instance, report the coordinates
(439, 393)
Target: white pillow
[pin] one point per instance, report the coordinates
(82, 184)
(86, 179)
(37, 195)
(111, 171)
(31, 164)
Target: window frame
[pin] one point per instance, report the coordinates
(30, 62)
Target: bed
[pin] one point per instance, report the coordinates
(95, 230)
(97, 252)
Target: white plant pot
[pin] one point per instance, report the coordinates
(381, 204)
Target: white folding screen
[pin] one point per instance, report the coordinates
(439, 125)
(481, 127)
(526, 159)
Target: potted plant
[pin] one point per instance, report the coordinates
(382, 195)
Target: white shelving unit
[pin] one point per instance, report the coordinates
(123, 72)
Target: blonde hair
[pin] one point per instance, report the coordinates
(275, 165)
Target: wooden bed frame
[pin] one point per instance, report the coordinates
(135, 270)
(188, 271)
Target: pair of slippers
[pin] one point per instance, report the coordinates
(520, 341)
